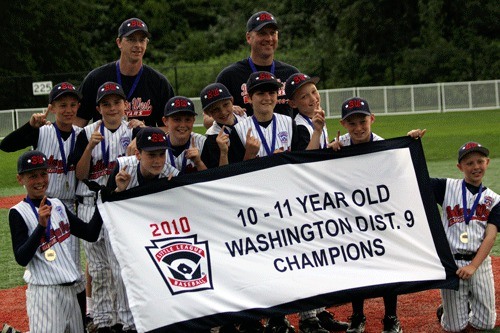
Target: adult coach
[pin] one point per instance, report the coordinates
(262, 36)
(147, 89)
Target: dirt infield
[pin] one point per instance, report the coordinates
(417, 312)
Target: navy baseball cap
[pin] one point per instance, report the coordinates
(132, 25)
(179, 104)
(151, 138)
(110, 88)
(470, 147)
(297, 80)
(259, 20)
(355, 105)
(212, 93)
(264, 81)
(61, 89)
(31, 160)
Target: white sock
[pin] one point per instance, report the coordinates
(90, 305)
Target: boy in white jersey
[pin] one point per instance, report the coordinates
(217, 103)
(187, 149)
(471, 218)
(57, 142)
(303, 95)
(43, 235)
(97, 148)
(266, 132)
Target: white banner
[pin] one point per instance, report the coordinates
(267, 239)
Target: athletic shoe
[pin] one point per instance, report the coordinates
(439, 312)
(391, 325)
(358, 323)
(279, 325)
(89, 325)
(251, 326)
(311, 325)
(328, 322)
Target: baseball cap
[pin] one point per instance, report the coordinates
(212, 93)
(297, 80)
(151, 138)
(179, 104)
(355, 105)
(109, 88)
(263, 80)
(132, 25)
(63, 88)
(259, 20)
(31, 160)
(470, 147)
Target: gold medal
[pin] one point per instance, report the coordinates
(464, 237)
(50, 255)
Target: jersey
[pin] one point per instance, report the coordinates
(133, 165)
(63, 269)
(176, 156)
(235, 77)
(304, 122)
(345, 139)
(62, 183)
(211, 142)
(453, 216)
(282, 139)
(114, 145)
(146, 102)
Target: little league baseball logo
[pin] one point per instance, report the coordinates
(183, 263)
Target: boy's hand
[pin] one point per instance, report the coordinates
(223, 140)
(133, 123)
(417, 133)
(96, 136)
(239, 110)
(193, 153)
(122, 179)
(279, 150)
(318, 119)
(37, 120)
(44, 212)
(336, 145)
(466, 272)
(252, 145)
(132, 147)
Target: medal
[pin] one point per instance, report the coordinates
(464, 237)
(50, 255)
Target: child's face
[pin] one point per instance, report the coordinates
(306, 99)
(359, 127)
(473, 166)
(180, 126)
(35, 182)
(263, 102)
(152, 162)
(222, 112)
(112, 109)
(65, 108)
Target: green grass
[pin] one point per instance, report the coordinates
(446, 132)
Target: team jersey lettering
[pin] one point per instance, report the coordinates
(138, 108)
(456, 214)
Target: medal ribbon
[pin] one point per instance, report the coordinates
(47, 229)
(61, 147)
(254, 69)
(271, 150)
(105, 152)
(468, 216)
(171, 154)
(119, 79)
(325, 143)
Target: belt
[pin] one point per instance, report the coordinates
(461, 256)
(68, 284)
(86, 200)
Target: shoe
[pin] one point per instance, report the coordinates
(358, 323)
(439, 312)
(391, 325)
(328, 322)
(311, 325)
(279, 325)
(89, 325)
(251, 326)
